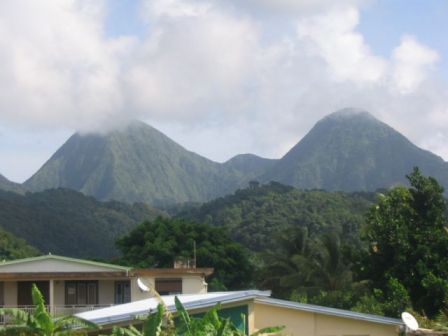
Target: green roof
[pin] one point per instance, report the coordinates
(74, 260)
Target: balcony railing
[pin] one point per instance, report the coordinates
(56, 311)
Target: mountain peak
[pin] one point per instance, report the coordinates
(351, 150)
(349, 112)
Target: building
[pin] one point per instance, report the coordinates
(72, 285)
(260, 310)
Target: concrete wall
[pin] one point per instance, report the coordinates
(300, 323)
(59, 293)
(10, 293)
(191, 284)
(106, 292)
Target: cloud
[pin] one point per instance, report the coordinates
(197, 58)
(332, 36)
(57, 67)
(412, 62)
(221, 77)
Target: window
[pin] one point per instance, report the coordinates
(169, 286)
(2, 295)
(81, 292)
(122, 292)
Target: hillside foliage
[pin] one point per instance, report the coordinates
(159, 242)
(66, 222)
(257, 214)
(12, 247)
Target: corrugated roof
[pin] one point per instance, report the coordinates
(329, 311)
(128, 311)
(68, 259)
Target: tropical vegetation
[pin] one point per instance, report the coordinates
(45, 219)
(159, 242)
(40, 322)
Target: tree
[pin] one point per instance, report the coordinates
(312, 270)
(408, 244)
(40, 322)
(157, 243)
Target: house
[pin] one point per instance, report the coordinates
(260, 310)
(72, 285)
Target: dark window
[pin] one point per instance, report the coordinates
(81, 292)
(169, 286)
(2, 295)
(122, 292)
(24, 297)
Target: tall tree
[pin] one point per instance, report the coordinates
(157, 243)
(407, 233)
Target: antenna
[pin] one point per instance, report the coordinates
(410, 321)
(142, 286)
(194, 252)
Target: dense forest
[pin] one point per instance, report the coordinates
(66, 222)
(254, 216)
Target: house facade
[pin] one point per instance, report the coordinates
(73, 285)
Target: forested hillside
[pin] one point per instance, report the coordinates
(12, 247)
(256, 214)
(66, 222)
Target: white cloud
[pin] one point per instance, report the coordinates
(333, 37)
(412, 62)
(57, 68)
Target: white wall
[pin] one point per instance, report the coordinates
(10, 293)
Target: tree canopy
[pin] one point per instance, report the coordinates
(159, 242)
(408, 244)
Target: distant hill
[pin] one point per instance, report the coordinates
(137, 163)
(254, 216)
(350, 150)
(66, 222)
(7, 185)
(250, 166)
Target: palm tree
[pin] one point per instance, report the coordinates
(40, 322)
(288, 267)
(329, 272)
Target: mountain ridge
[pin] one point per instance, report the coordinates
(348, 150)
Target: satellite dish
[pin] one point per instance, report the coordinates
(409, 321)
(142, 286)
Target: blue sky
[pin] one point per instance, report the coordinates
(384, 22)
(221, 78)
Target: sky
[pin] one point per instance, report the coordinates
(219, 77)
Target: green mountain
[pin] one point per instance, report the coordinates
(137, 163)
(7, 185)
(250, 166)
(350, 150)
(255, 215)
(66, 222)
